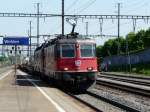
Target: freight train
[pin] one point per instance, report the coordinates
(69, 60)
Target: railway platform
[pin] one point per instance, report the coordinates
(23, 93)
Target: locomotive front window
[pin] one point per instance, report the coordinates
(87, 50)
(67, 50)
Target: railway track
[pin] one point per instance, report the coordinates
(137, 86)
(112, 102)
(134, 80)
(121, 99)
(96, 103)
(77, 97)
(128, 84)
(101, 103)
(126, 75)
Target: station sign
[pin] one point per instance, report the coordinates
(16, 41)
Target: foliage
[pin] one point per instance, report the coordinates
(134, 41)
(4, 61)
(110, 47)
(141, 68)
(2, 58)
(146, 39)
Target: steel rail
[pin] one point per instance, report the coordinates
(128, 79)
(136, 89)
(126, 75)
(107, 100)
(84, 102)
(112, 102)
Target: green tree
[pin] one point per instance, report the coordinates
(107, 48)
(99, 51)
(146, 39)
(122, 44)
(114, 47)
(138, 40)
(130, 39)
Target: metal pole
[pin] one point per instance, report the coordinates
(15, 62)
(28, 46)
(2, 50)
(118, 28)
(87, 28)
(134, 25)
(38, 12)
(101, 27)
(128, 55)
(63, 17)
(30, 37)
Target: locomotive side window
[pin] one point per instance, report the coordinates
(67, 50)
(87, 50)
(57, 51)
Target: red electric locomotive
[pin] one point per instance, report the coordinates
(70, 60)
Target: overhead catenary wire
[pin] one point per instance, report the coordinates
(112, 27)
(83, 5)
(71, 6)
(132, 3)
(66, 11)
(87, 5)
(141, 5)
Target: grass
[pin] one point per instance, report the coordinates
(142, 69)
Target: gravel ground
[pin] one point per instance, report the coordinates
(138, 102)
(101, 105)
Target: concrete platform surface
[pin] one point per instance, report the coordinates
(30, 94)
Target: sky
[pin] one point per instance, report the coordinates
(20, 26)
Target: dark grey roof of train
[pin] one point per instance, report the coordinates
(60, 37)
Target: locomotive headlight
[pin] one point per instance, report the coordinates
(90, 68)
(65, 69)
(78, 63)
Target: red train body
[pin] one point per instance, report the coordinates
(70, 60)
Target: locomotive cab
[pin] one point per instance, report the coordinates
(76, 60)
